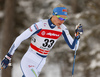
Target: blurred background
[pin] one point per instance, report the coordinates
(18, 15)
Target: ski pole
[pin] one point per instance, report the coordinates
(80, 31)
(74, 60)
(1, 68)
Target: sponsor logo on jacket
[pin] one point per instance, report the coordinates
(49, 34)
(53, 34)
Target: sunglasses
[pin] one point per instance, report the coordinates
(61, 18)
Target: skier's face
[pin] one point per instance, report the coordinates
(58, 20)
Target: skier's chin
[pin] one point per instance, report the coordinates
(58, 24)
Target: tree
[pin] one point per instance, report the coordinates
(8, 31)
(77, 5)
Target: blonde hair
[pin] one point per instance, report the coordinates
(60, 5)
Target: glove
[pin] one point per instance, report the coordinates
(78, 31)
(6, 61)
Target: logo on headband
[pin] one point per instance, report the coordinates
(64, 10)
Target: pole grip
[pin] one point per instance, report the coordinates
(1, 68)
(10, 65)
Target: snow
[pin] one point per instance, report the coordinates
(98, 56)
(78, 15)
(94, 64)
(52, 70)
(1, 14)
(16, 71)
(25, 3)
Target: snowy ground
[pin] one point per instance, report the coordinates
(16, 70)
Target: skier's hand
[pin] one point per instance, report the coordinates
(78, 31)
(6, 60)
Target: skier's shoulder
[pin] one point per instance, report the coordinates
(39, 24)
(63, 27)
(42, 22)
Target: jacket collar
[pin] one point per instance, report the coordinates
(51, 24)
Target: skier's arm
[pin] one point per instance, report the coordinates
(25, 35)
(69, 40)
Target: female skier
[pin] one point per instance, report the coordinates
(44, 35)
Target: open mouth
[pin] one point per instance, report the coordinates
(59, 24)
